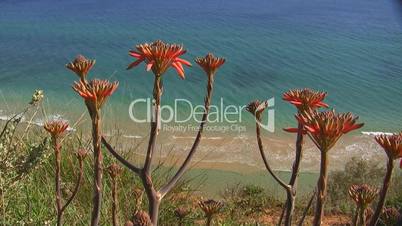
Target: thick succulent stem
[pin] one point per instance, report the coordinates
(98, 168)
(154, 211)
(321, 189)
(154, 198)
(290, 207)
(383, 193)
(154, 124)
(291, 197)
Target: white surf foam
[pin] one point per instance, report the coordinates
(374, 133)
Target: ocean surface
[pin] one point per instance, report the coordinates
(351, 49)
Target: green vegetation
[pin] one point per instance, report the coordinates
(27, 185)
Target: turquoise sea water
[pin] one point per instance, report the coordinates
(352, 49)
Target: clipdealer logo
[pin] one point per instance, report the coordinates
(228, 117)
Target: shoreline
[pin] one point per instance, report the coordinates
(237, 152)
(240, 154)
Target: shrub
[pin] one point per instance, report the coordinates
(360, 171)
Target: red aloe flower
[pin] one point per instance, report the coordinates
(210, 63)
(363, 194)
(392, 145)
(305, 99)
(81, 66)
(56, 128)
(159, 56)
(114, 170)
(96, 91)
(325, 128)
(210, 208)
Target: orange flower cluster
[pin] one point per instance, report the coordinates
(114, 170)
(325, 128)
(210, 63)
(159, 56)
(81, 66)
(392, 145)
(96, 91)
(181, 212)
(305, 99)
(56, 128)
(210, 206)
(362, 194)
(141, 218)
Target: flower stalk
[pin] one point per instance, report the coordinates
(158, 57)
(256, 108)
(114, 171)
(362, 195)
(392, 145)
(210, 208)
(325, 129)
(305, 100)
(181, 213)
(95, 94)
(56, 130)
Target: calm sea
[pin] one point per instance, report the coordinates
(351, 49)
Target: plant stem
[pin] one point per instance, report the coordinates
(362, 216)
(172, 182)
(181, 222)
(383, 193)
(77, 186)
(287, 187)
(114, 202)
(356, 216)
(58, 179)
(321, 189)
(264, 159)
(154, 198)
(152, 195)
(209, 220)
(120, 158)
(290, 206)
(291, 197)
(3, 204)
(97, 188)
